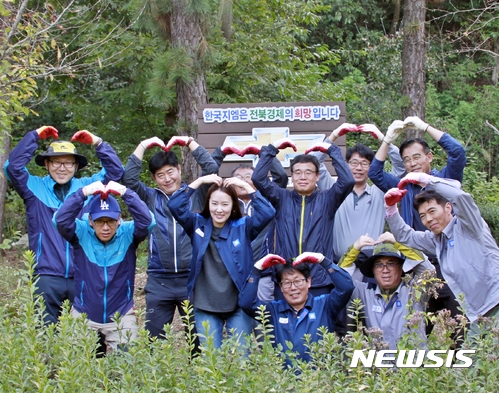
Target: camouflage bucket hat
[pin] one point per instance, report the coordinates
(61, 148)
(381, 250)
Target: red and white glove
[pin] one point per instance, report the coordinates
(151, 142)
(415, 122)
(86, 137)
(308, 257)
(94, 189)
(269, 261)
(115, 188)
(178, 140)
(373, 130)
(250, 149)
(322, 147)
(345, 128)
(283, 143)
(231, 149)
(392, 197)
(420, 178)
(394, 130)
(45, 132)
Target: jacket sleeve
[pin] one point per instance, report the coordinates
(263, 213)
(131, 177)
(205, 160)
(179, 206)
(383, 180)
(143, 219)
(279, 175)
(456, 158)
(110, 162)
(65, 218)
(218, 156)
(409, 237)
(398, 168)
(260, 177)
(343, 285)
(344, 185)
(19, 157)
(248, 297)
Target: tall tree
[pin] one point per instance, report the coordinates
(413, 62)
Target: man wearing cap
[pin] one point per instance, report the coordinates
(385, 303)
(44, 195)
(105, 256)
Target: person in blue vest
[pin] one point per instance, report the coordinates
(42, 196)
(300, 312)
(105, 257)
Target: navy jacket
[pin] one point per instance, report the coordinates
(315, 232)
(456, 161)
(54, 255)
(234, 241)
(318, 311)
(104, 273)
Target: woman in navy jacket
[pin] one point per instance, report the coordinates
(221, 252)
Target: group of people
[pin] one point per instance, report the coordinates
(229, 246)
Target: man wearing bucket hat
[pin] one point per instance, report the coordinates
(105, 257)
(385, 303)
(44, 195)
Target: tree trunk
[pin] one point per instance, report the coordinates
(185, 30)
(413, 62)
(396, 17)
(4, 154)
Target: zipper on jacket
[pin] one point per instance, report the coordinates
(302, 224)
(82, 301)
(104, 316)
(175, 262)
(68, 260)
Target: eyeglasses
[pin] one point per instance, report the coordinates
(244, 178)
(297, 283)
(67, 165)
(110, 223)
(381, 266)
(307, 173)
(356, 163)
(415, 158)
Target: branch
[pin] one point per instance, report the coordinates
(491, 126)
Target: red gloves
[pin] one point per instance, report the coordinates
(345, 128)
(93, 189)
(231, 149)
(414, 178)
(115, 188)
(284, 143)
(269, 261)
(85, 137)
(151, 142)
(250, 149)
(322, 147)
(45, 132)
(178, 140)
(371, 129)
(393, 196)
(308, 257)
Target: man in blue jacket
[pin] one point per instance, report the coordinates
(169, 246)
(42, 196)
(105, 257)
(300, 312)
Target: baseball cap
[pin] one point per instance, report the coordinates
(61, 148)
(380, 250)
(108, 207)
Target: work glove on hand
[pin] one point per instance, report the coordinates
(250, 149)
(322, 147)
(269, 261)
(309, 257)
(151, 142)
(94, 189)
(283, 143)
(415, 178)
(45, 132)
(115, 188)
(373, 130)
(394, 130)
(392, 197)
(231, 149)
(345, 128)
(415, 122)
(86, 137)
(178, 140)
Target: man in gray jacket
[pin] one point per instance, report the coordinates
(458, 235)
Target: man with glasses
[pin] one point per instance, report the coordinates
(301, 312)
(42, 197)
(305, 215)
(417, 158)
(105, 257)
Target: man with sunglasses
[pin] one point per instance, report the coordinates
(42, 197)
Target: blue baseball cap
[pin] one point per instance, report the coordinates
(108, 207)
